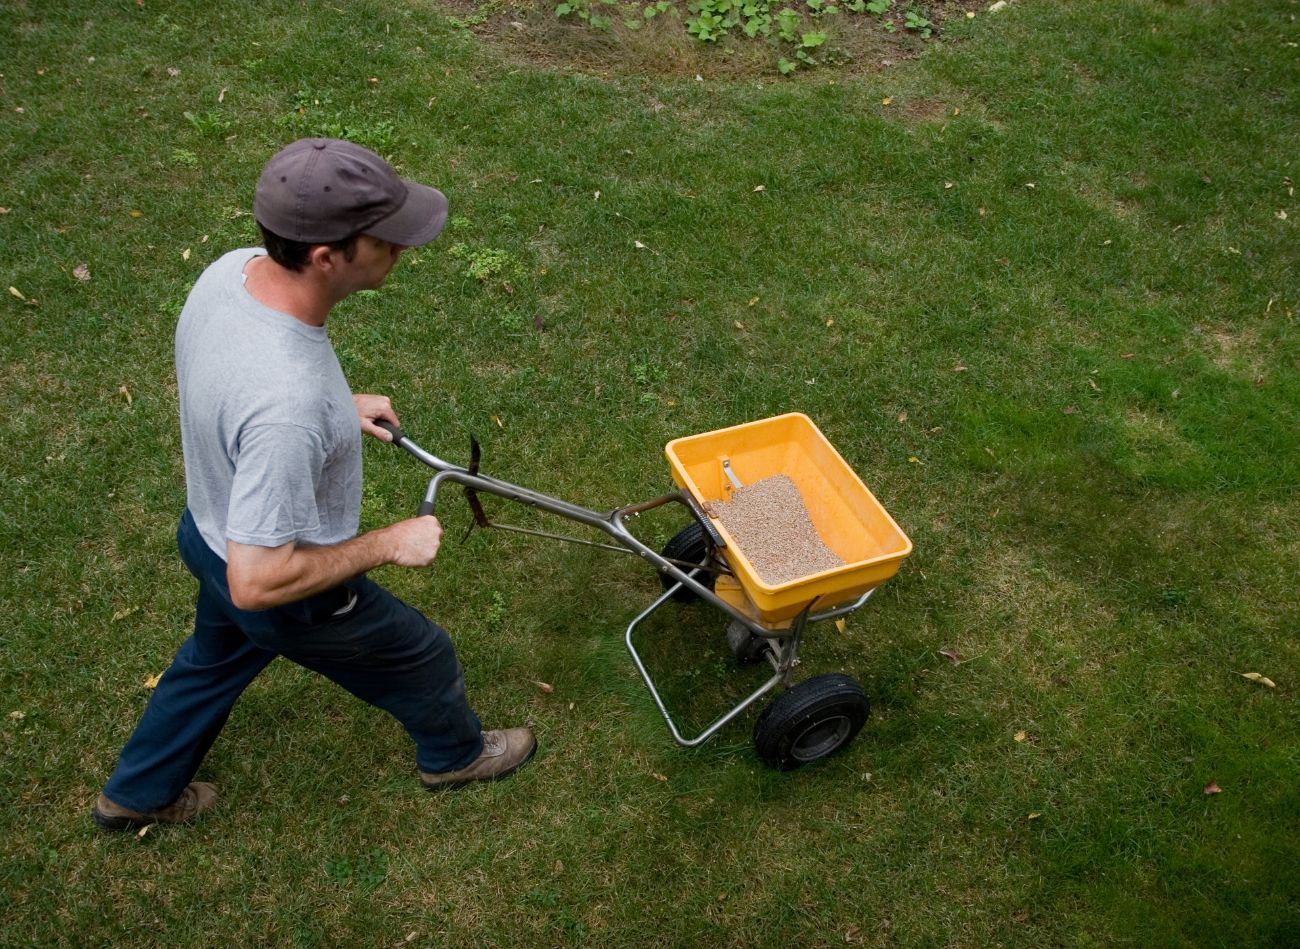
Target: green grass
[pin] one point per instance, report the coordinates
(1100, 387)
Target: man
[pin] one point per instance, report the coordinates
(271, 435)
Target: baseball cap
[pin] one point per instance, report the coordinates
(320, 190)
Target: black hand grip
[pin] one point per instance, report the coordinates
(391, 429)
(425, 509)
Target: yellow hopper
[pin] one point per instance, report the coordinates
(847, 516)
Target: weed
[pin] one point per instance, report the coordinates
(484, 263)
(314, 115)
(208, 124)
(369, 870)
(494, 617)
(712, 20)
(185, 158)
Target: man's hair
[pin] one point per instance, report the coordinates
(292, 255)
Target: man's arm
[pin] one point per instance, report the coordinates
(263, 577)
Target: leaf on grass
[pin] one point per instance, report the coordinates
(841, 625)
(830, 323)
(81, 272)
(640, 246)
(17, 715)
(538, 323)
(135, 213)
(886, 100)
(123, 614)
(1021, 735)
(912, 459)
(739, 325)
(1069, 410)
(902, 416)
(959, 369)
(1213, 788)
(544, 686)
(753, 300)
(144, 830)
(760, 188)
(15, 292)
(497, 419)
(947, 185)
(152, 681)
(596, 197)
(1033, 815)
(4, 210)
(951, 655)
(126, 392)
(658, 777)
(1261, 679)
(1281, 215)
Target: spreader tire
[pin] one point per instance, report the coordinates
(744, 645)
(691, 546)
(811, 721)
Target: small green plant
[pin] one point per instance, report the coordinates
(495, 615)
(483, 264)
(370, 869)
(185, 158)
(208, 124)
(582, 9)
(313, 114)
(480, 16)
(914, 21)
(787, 24)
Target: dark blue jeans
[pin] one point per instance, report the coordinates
(381, 650)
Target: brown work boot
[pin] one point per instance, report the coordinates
(504, 752)
(197, 797)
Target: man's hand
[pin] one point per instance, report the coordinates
(415, 542)
(371, 408)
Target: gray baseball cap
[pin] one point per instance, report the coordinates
(320, 190)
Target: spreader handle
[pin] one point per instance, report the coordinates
(426, 507)
(391, 429)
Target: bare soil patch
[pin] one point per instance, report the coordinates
(858, 44)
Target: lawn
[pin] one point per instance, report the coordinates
(1037, 280)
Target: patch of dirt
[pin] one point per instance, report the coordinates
(858, 44)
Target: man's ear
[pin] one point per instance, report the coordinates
(321, 259)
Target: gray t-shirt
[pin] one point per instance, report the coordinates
(271, 436)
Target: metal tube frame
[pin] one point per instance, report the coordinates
(784, 651)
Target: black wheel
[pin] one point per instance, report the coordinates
(811, 721)
(745, 646)
(689, 545)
